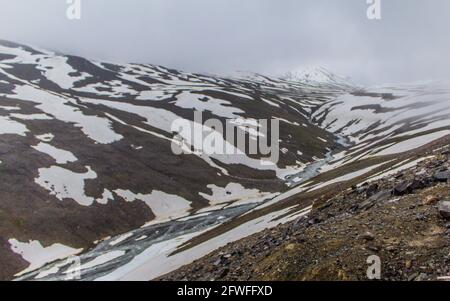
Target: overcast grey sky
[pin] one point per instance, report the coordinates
(411, 42)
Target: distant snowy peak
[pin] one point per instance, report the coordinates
(317, 75)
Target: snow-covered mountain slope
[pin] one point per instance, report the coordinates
(318, 76)
(85, 153)
(86, 146)
(386, 120)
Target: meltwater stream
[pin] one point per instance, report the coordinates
(130, 245)
(313, 169)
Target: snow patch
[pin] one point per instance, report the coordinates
(37, 255)
(163, 205)
(60, 156)
(231, 193)
(66, 184)
(8, 126)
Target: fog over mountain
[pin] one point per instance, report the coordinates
(409, 43)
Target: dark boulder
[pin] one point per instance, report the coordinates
(442, 176)
(444, 209)
(416, 184)
(381, 196)
(371, 190)
(402, 189)
(377, 197)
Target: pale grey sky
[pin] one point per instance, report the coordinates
(411, 42)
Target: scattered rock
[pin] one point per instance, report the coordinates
(413, 277)
(324, 206)
(378, 197)
(368, 236)
(366, 205)
(374, 248)
(421, 217)
(442, 176)
(290, 247)
(391, 248)
(402, 189)
(224, 273)
(430, 200)
(363, 187)
(415, 185)
(408, 264)
(421, 277)
(371, 190)
(444, 209)
(404, 229)
(399, 175)
(314, 221)
(381, 196)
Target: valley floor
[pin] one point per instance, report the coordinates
(396, 218)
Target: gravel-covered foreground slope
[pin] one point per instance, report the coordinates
(404, 219)
(86, 165)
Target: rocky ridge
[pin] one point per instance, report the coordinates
(403, 219)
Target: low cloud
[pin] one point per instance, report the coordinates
(411, 42)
